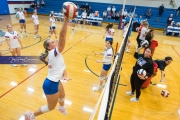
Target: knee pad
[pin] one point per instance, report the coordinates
(24, 29)
(35, 31)
(44, 109)
(101, 78)
(61, 99)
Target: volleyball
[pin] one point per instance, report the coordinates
(165, 93)
(69, 10)
(144, 43)
(141, 72)
(137, 29)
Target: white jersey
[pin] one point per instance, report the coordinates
(13, 38)
(52, 21)
(109, 9)
(21, 15)
(84, 15)
(108, 56)
(109, 33)
(56, 65)
(113, 9)
(35, 19)
(143, 31)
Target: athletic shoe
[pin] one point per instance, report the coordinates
(26, 34)
(62, 109)
(34, 37)
(14, 65)
(127, 50)
(29, 116)
(24, 65)
(134, 99)
(130, 93)
(37, 36)
(96, 89)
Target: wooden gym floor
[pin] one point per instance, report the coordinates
(81, 46)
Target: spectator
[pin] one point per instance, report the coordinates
(131, 12)
(77, 7)
(86, 6)
(113, 15)
(117, 16)
(96, 14)
(104, 14)
(113, 9)
(120, 12)
(177, 11)
(148, 14)
(109, 14)
(127, 18)
(109, 9)
(135, 23)
(161, 9)
(38, 3)
(32, 5)
(125, 12)
(172, 25)
(82, 7)
(89, 10)
(42, 3)
(168, 22)
(91, 15)
(140, 21)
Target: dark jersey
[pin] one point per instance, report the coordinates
(161, 64)
(144, 63)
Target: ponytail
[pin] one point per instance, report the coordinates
(110, 25)
(44, 55)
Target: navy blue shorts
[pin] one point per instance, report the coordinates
(22, 21)
(52, 28)
(106, 67)
(73, 21)
(50, 87)
(107, 39)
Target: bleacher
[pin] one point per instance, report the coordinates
(56, 6)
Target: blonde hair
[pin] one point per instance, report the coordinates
(8, 25)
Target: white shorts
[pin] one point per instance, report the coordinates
(16, 45)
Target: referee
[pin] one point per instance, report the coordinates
(162, 65)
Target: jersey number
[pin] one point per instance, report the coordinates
(14, 37)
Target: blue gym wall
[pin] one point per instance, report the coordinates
(4, 9)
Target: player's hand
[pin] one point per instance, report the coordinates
(11, 49)
(141, 77)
